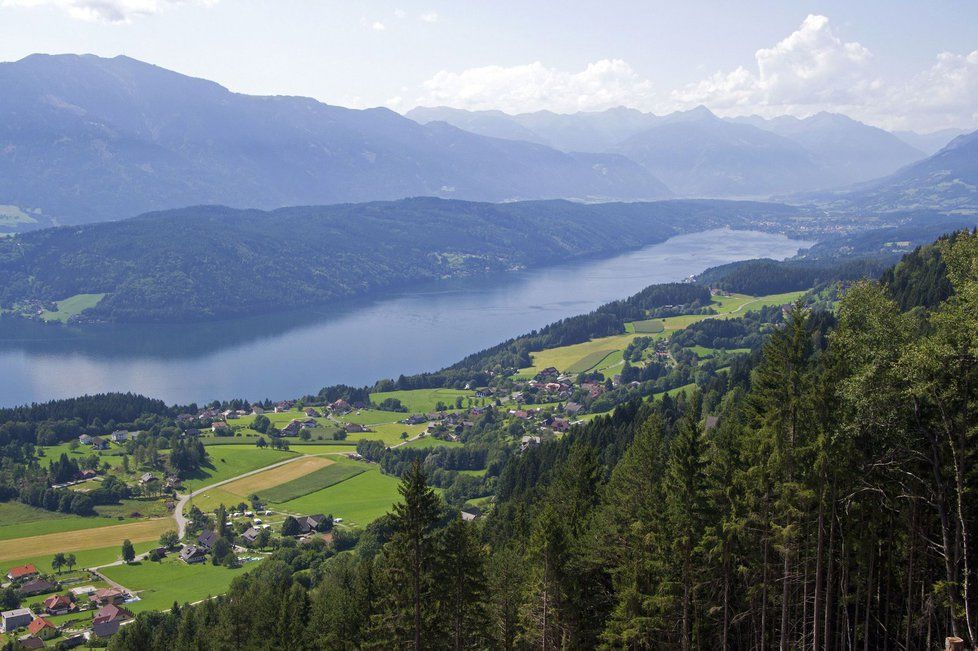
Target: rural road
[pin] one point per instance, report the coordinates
(182, 502)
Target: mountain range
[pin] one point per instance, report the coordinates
(85, 139)
(697, 153)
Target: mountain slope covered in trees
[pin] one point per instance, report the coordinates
(814, 496)
(212, 262)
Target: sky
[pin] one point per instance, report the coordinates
(892, 63)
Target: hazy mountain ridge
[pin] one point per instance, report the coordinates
(712, 156)
(84, 138)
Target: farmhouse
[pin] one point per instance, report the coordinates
(353, 428)
(119, 436)
(312, 413)
(40, 624)
(11, 620)
(219, 425)
(192, 554)
(103, 630)
(111, 613)
(36, 587)
(108, 596)
(31, 642)
(250, 536)
(99, 444)
(85, 439)
(468, 516)
(208, 539)
(340, 406)
(22, 572)
(58, 604)
(147, 478)
(256, 410)
(528, 442)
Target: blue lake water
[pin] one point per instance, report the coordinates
(293, 353)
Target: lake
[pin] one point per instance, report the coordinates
(293, 353)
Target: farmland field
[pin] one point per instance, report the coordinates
(275, 476)
(72, 306)
(319, 479)
(158, 585)
(431, 442)
(231, 461)
(358, 501)
(19, 520)
(51, 543)
(649, 326)
(565, 356)
(588, 362)
(423, 400)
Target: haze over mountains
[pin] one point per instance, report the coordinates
(84, 139)
(698, 154)
(87, 139)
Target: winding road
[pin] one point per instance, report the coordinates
(181, 520)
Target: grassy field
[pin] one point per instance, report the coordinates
(158, 585)
(574, 358)
(564, 357)
(588, 362)
(84, 539)
(423, 400)
(647, 327)
(72, 306)
(311, 482)
(276, 476)
(432, 442)
(358, 501)
(232, 460)
(86, 558)
(703, 352)
(20, 520)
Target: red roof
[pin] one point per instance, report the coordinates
(56, 600)
(22, 571)
(38, 625)
(110, 613)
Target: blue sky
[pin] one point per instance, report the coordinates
(897, 64)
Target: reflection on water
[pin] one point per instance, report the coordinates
(294, 352)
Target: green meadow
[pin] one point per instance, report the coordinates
(231, 460)
(72, 306)
(424, 400)
(358, 500)
(310, 483)
(158, 585)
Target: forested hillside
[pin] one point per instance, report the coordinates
(818, 496)
(214, 262)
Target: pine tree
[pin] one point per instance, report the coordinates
(460, 575)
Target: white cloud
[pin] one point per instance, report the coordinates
(377, 26)
(111, 11)
(533, 87)
(399, 13)
(944, 95)
(430, 17)
(812, 68)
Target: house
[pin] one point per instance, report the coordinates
(36, 587)
(415, 419)
(256, 410)
(72, 642)
(192, 554)
(250, 536)
(218, 425)
(30, 642)
(312, 413)
(292, 429)
(108, 596)
(87, 474)
(11, 620)
(85, 439)
(22, 572)
(560, 425)
(99, 444)
(528, 442)
(310, 523)
(58, 604)
(353, 428)
(208, 539)
(40, 625)
(119, 436)
(572, 408)
(340, 406)
(147, 478)
(468, 516)
(105, 630)
(173, 482)
(483, 393)
(111, 613)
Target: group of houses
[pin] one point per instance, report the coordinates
(31, 629)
